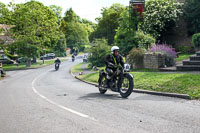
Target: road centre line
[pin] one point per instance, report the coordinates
(56, 104)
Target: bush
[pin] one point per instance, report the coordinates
(60, 54)
(144, 41)
(166, 50)
(196, 40)
(98, 52)
(160, 15)
(135, 58)
(185, 49)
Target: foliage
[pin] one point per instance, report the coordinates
(108, 23)
(144, 41)
(58, 11)
(34, 34)
(5, 14)
(167, 51)
(40, 31)
(76, 33)
(89, 26)
(25, 49)
(125, 35)
(60, 47)
(196, 40)
(98, 52)
(135, 57)
(160, 15)
(70, 16)
(164, 49)
(192, 15)
(185, 49)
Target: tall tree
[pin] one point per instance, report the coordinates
(75, 32)
(125, 35)
(35, 25)
(108, 23)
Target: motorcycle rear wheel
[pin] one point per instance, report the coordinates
(127, 86)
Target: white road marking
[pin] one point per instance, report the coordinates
(58, 105)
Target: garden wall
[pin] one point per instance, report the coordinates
(153, 61)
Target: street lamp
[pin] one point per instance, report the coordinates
(138, 5)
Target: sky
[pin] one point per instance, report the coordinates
(89, 9)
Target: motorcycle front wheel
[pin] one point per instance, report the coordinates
(102, 83)
(126, 86)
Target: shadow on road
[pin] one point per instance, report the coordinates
(91, 96)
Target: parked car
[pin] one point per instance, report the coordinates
(48, 56)
(21, 60)
(7, 61)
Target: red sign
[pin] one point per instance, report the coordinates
(139, 7)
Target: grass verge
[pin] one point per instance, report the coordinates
(23, 66)
(77, 68)
(182, 83)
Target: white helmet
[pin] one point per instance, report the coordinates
(114, 48)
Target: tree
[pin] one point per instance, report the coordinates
(76, 33)
(60, 47)
(192, 15)
(35, 25)
(70, 16)
(124, 37)
(98, 52)
(58, 11)
(160, 15)
(108, 23)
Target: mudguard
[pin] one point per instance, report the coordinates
(129, 75)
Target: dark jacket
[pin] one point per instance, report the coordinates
(110, 62)
(57, 61)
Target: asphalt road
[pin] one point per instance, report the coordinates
(47, 101)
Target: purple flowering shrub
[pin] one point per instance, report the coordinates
(166, 50)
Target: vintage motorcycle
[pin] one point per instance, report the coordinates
(121, 81)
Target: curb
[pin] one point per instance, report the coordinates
(183, 96)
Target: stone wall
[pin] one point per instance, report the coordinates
(153, 61)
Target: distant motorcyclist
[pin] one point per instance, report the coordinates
(73, 57)
(57, 61)
(112, 61)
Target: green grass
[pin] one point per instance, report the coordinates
(76, 68)
(163, 82)
(92, 77)
(169, 82)
(182, 83)
(183, 57)
(145, 70)
(23, 66)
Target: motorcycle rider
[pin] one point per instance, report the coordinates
(112, 61)
(73, 57)
(57, 61)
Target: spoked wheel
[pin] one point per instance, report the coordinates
(102, 84)
(127, 86)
